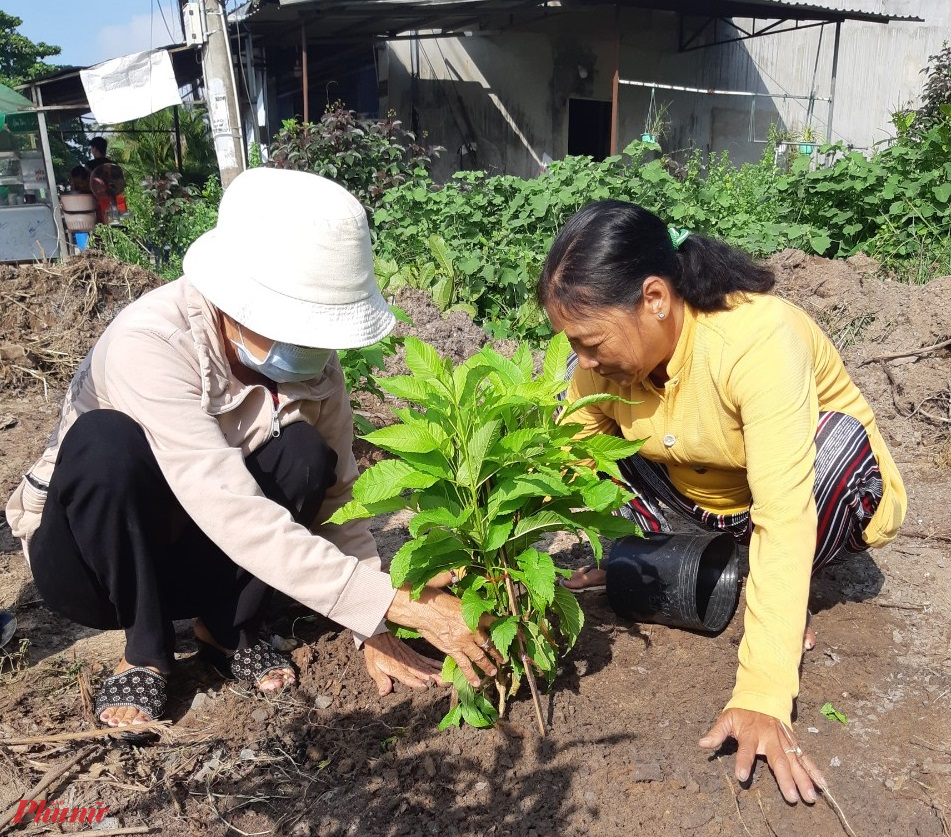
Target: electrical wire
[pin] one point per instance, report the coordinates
(171, 37)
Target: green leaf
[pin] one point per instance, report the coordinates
(603, 447)
(442, 293)
(350, 511)
(820, 242)
(587, 400)
(543, 521)
(555, 365)
(409, 387)
(388, 478)
(400, 439)
(833, 714)
(450, 518)
(523, 359)
(539, 648)
(503, 632)
(453, 718)
(473, 606)
(437, 246)
(497, 535)
(437, 466)
(400, 563)
(423, 360)
(570, 615)
(604, 495)
(475, 448)
(538, 574)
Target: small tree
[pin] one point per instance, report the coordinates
(20, 58)
(488, 463)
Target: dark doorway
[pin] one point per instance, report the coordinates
(589, 128)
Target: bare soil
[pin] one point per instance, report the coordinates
(630, 702)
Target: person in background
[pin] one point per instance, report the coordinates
(98, 147)
(203, 444)
(752, 426)
(79, 180)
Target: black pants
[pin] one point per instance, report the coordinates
(115, 549)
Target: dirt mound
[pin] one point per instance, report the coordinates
(53, 313)
(881, 328)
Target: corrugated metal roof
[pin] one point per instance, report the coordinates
(850, 9)
(334, 18)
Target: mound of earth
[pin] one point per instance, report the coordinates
(333, 758)
(53, 313)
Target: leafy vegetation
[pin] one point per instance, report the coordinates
(488, 466)
(360, 368)
(145, 147)
(367, 157)
(20, 58)
(165, 217)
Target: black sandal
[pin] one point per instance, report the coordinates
(249, 665)
(139, 687)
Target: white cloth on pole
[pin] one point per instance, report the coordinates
(130, 86)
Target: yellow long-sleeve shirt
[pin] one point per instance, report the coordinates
(742, 401)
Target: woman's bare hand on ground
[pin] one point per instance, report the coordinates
(388, 658)
(437, 616)
(757, 734)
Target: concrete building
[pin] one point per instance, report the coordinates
(505, 85)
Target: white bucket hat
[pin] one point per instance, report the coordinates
(290, 259)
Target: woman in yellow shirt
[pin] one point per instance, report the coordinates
(752, 427)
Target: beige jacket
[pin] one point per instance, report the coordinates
(162, 362)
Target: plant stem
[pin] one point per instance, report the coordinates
(526, 661)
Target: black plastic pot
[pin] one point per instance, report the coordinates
(686, 581)
(8, 626)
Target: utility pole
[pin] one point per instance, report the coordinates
(221, 94)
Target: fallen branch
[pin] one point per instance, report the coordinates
(912, 353)
(160, 728)
(132, 829)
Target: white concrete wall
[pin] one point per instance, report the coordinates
(507, 92)
(880, 68)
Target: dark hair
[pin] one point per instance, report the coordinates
(99, 143)
(79, 171)
(604, 253)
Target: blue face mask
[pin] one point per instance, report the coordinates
(285, 362)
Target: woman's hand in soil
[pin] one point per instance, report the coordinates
(388, 658)
(757, 734)
(438, 618)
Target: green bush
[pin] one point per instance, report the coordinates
(366, 157)
(164, 218)
(493, 232)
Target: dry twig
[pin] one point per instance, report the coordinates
(160, 728)
(772, 830)
(736, 799)
(52, 776)
(911, 353)
(818, 779)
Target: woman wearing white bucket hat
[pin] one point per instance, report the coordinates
(203, 442)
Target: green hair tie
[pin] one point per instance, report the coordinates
(677, 237)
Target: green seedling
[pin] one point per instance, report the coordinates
(489, 465)
(833, 714)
